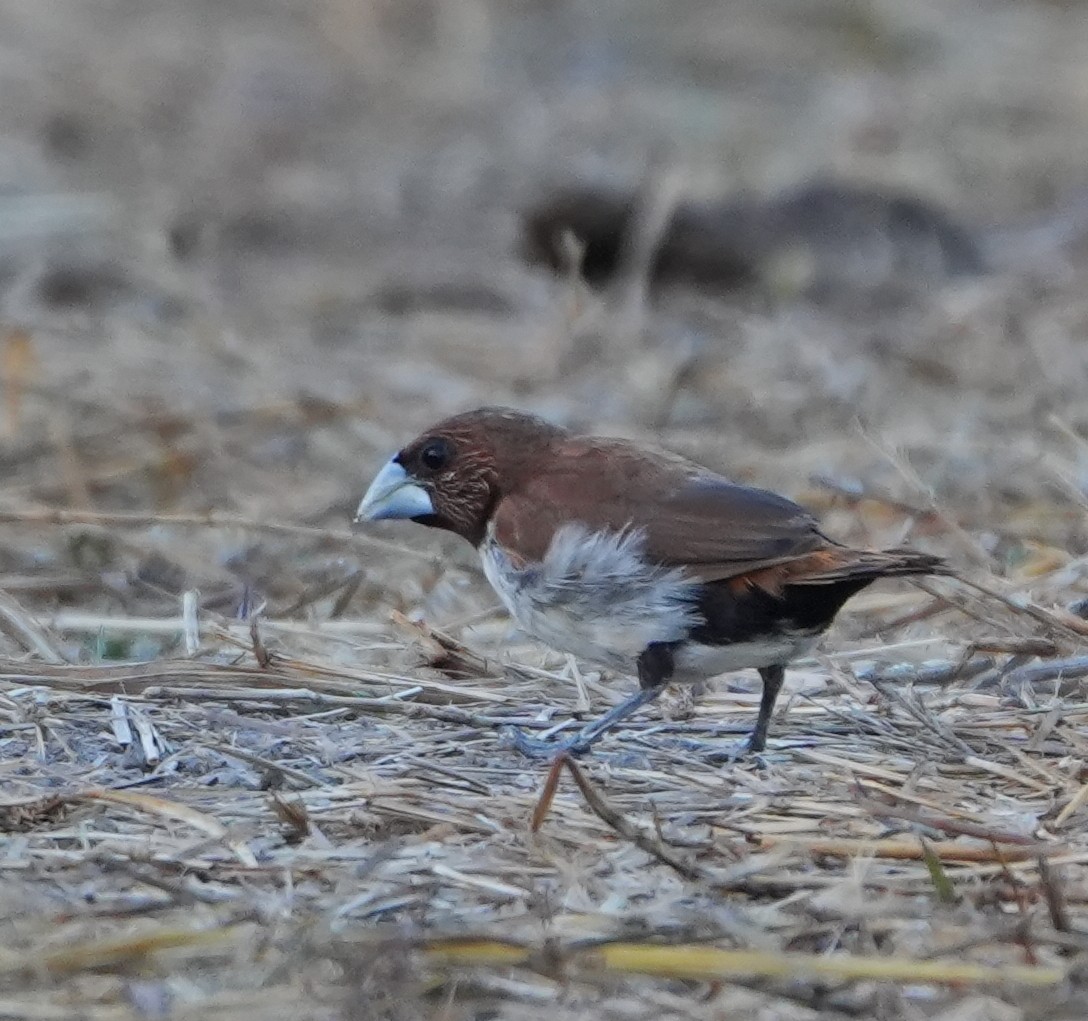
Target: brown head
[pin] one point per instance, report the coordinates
(453, 474)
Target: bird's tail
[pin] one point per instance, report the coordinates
(859, 565)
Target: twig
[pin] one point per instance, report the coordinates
(1055, 898)
(118, 951)
(186, 891)
(1023, 931)
(442, 651)
(547, 795)
(317, 699)
(261, 654)
(904, 468)
(927, 674)
(626, 829)
(946, 891)
(211, 519)
(325, 587)
(957, 601)
(190, 602)
(922, 714)
(902, 850)
(645, 232)
(855, 492)
(693, 961)
(18, 624)
(1075, 803)
(937, 605)
(267, 765)
(67, 620)
(1070, 668)
(934, 822)
(1047, 618)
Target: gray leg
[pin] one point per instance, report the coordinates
(772, 677)
(655, 667)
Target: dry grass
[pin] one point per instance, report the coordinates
(253, 765)
(259, 825)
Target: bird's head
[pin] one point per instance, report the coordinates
(454, 473)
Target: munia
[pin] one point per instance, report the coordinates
(633, 559)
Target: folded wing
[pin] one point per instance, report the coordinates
(689, 517)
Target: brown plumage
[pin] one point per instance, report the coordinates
(635, 559)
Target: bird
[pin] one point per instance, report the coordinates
(631, 558)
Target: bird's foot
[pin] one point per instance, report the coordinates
(749, 750)
(537, 748)
(581, 742)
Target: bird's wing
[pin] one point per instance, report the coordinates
(689, 517)
(717, 529)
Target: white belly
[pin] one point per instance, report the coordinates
(696, 662)
(594, 596)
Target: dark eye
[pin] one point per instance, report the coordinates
(435, 455)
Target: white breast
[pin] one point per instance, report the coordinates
(697, 662)
(594, 595)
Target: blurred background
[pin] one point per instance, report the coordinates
(249, 248)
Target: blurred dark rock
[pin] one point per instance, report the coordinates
(820, 234)
(100, 285)
(65, 136)
(71, 285)
(162, 573)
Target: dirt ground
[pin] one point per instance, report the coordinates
(253, 763)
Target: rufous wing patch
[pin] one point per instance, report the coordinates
(823, 567)
(839, 564)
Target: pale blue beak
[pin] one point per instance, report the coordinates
(394, 494)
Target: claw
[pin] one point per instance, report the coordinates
(585, 738)
(535, 748)
(746, 749)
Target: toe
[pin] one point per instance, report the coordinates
(534, 748)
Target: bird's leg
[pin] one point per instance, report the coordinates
(772, 677)
(756, 741)
(655, 666)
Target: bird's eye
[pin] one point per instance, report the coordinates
(435, 455)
